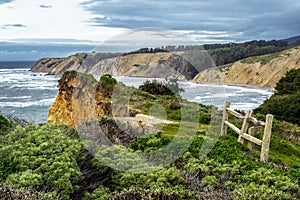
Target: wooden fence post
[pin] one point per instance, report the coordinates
(245, 126)
(251, 132)
(264, 155)
(225, 118)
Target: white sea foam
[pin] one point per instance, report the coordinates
(15, 98)
(43, 102)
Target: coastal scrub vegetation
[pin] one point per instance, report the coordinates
(168, 87)
(50, 162)
(106, 84)
(167, 94)
(285, 103)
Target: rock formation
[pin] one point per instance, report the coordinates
(264, 71)
(76, 102)
(86, 104)
(182, 65)
(257, 72)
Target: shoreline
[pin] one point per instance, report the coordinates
(200, 83)
(190, 92)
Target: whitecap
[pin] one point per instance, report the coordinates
(43, 102)
(17, 97)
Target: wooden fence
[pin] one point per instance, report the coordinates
(248, 128)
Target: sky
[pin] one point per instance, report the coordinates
(31, 29)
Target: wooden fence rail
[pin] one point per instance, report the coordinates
(248, 128)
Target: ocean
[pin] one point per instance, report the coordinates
(25, 94)
(29, 95)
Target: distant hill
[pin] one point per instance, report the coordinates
(183, 65)
(292, 39)
(186, 61)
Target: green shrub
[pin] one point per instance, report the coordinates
(44, 158)
(108, 81)
(204, 118)
(7, 167)
(210, 180)
(166, 183)
(169, 87)
(150, 143)
(101, 193)
(285, 103)
(285, 107)
(4, 124)
(265, 183)
(106, 85)
(289, 84)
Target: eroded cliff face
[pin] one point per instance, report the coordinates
(86, 104)
(256, 73)
(183, 65)
(78, 100)
(56, 66)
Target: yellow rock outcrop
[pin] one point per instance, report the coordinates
(79, 99)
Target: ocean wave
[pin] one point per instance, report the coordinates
(14, 69)
(17, 97)
(43, 102)
(244, 89)
(35, 86)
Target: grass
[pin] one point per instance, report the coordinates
(172, 129)
(264, 59)
(81, 56)
(284, 152)
(89, 76)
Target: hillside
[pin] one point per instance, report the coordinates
(57, 162)
(263, 71)
(272, 59)
(292, 39)
(182, 65)
(285, 103)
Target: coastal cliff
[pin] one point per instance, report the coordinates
(182, 65)
(56, 65)
(77, 101)
(264, 71)
(86, 104)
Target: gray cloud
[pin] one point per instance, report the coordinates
(255, 19)
(5, 26)
(45, 6)
(14, 25)
(5, 1)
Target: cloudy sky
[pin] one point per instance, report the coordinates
(30, 29)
